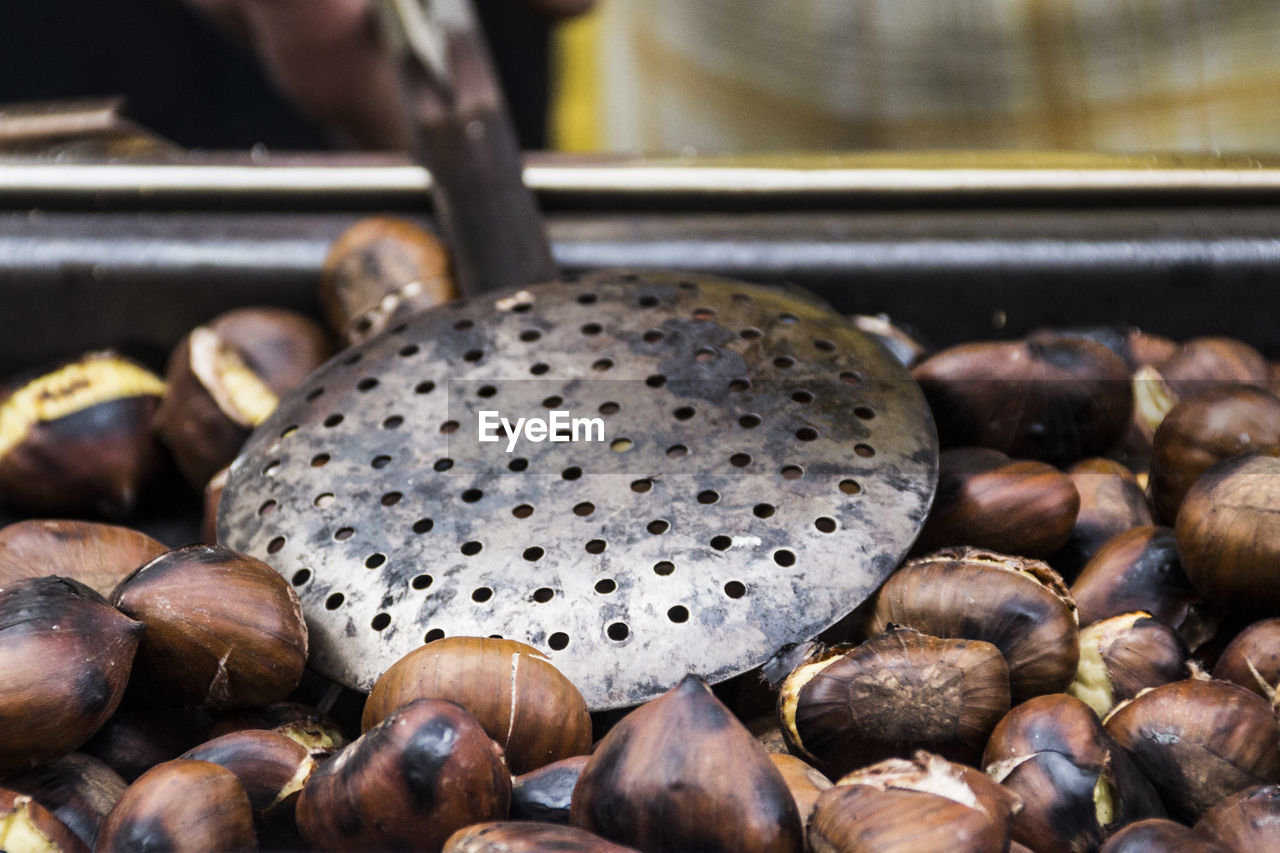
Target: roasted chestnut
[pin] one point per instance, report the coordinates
(409, 782)
(987, 500)
(1199, 740)
(1228, 533)
(1245, 821)
(379, 269)
(898, 692)
(1202, 364)
(65, 658)
(1020, 606)
(1124, 655)
(97, 555)
(528, 837)
(25, 825)
(181, 806)
(1074, 782)
(319, 734)
(1252, 659)
(224, 630)
(143, 733)
(1211, 426)
(1139, 570)
(1111, 502)
(1159, 835)
(1057, 398)
(76, 789)
(534, 713)
(900, 806)
(681, 773)
(78, 439)
(545, 794)
(225, 377)
(271, 766)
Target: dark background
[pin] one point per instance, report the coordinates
(194, 84)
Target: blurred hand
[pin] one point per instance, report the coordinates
(326, 56)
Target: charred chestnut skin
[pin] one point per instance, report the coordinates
(65, 659)
(525, 704)
(27, 825)
(179, 806)
(1111, 502)
(1199, 740)
(1252, 659)
(1211, 426)
(381, 269)
(987, 500)
(97, 555)
(1056, 398)
(1228, 533)
(1075, 783)
(77, 789)
(77, 439)
(898, 692)
(546, 794)
(1140, 570)
(409, 782)
(1245, 821)
(681, 773)
(528, 837)
(224, 378)
(1159, 835)
(223, 630)
(1020, 606)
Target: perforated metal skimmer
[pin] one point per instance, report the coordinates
(763, 467)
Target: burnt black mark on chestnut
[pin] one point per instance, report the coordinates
(147, 835)
(423, 758)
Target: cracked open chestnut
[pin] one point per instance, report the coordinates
(226, 376)
(223, 630)
(900, 806)
(77, 439)
(894, 694)
(525, 704)
(77, 789)
(379, 270)
(1124, 655)
(1020, 606)
(25, 825)
(1075, 783)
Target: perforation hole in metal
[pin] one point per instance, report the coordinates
(762, 467)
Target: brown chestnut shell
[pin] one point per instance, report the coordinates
(181, 806)
(223, 630)
(1124, 655)
(1111, 502)
(409, 782)
(1245, 821)
(894, 694)
(1252, 659)
(27, 825)
(987, 500)
(528, 837)
(1056, 398)
(1159, 835)
(1018, 605)
(95, 554)
(525, 704)
(65, 659)
(681, 773)
(77, 789)
(1199, 740)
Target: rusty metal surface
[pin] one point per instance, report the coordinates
(764, 466)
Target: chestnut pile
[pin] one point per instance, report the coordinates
(1082, 651)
